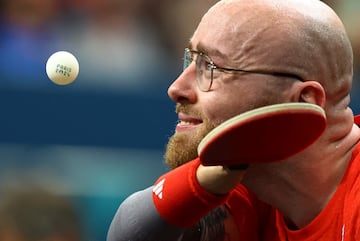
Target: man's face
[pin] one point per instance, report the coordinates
(230, 93)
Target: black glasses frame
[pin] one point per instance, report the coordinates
(204, 62)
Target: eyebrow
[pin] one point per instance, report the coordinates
(207, 50)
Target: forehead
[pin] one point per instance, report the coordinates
(232, 29)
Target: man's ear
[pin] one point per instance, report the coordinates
(311, 92)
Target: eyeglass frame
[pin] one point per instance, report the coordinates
(188, 59)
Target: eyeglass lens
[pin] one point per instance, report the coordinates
(187, 59)
(204, 72)
(204, 68)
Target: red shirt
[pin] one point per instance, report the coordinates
(180, 200)
(338, 221)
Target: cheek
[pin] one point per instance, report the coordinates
(221, 109)
(233, 95)
(224, 106)
(229, 97)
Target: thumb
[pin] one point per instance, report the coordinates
(219, 179)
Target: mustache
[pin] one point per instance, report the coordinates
(189, 110)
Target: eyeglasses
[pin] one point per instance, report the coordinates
(205, 67)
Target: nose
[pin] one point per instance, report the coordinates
(184, 89)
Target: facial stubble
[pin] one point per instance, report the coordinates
(182, 147)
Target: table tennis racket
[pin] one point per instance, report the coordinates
(266, 134)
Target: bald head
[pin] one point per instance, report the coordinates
(303, 37)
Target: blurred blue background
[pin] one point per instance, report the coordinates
(102, 137)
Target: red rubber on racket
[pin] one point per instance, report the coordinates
(267, 134)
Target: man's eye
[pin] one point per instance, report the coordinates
(208, 65)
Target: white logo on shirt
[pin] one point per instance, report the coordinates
(158, 188)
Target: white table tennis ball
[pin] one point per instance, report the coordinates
(62, 68)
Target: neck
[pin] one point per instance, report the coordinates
(301, 187)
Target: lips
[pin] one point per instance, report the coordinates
(187, 122)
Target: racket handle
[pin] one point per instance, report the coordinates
(238, 167)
